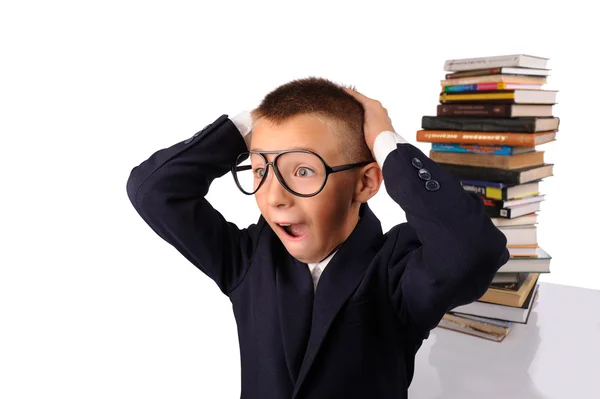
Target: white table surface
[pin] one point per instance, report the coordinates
(555, 355)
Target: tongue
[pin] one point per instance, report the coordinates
(298, 229)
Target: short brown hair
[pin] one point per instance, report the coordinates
(320, 96)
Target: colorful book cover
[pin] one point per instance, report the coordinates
(489, 87)
(473, 148)
(483, 190)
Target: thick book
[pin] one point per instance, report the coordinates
(481, 148)
(505, 96)
(500, 71)
(507, 162)
(509, 297)
(500, 312)
(512, 60)
(540, 263)
(508, 125)
(495, 110)
(520, 235)
(498, 78)
(475, 87)
(501, 191)
(516, 176)
(495, 138)
(524, 220)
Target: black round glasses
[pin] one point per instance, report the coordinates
(301, 172)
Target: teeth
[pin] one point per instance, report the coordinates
(285, 224)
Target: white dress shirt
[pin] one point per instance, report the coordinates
(385, 143)
(317, 268)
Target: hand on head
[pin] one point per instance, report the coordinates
(377, 119)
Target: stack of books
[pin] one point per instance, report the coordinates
(493, 115)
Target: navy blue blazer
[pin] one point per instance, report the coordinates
(377, 299)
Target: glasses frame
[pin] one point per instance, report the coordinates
(328, 169)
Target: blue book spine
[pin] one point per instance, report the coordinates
(483, 183)
(473, 148)
(460, 88)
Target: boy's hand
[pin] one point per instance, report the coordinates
(377, 119)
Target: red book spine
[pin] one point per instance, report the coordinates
(488, 86)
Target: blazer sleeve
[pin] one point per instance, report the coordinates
(168, 191)
(448, 252)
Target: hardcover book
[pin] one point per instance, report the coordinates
(509, 125)
(495, 110)
(481, 148)
(517, 176)
(494, 138)
(513, 60)
(507, 96)
(503, 71)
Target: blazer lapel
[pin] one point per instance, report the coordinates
(295, 292)
(339, 280)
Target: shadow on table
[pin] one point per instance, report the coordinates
(464, 366)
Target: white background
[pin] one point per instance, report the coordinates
(93, 304)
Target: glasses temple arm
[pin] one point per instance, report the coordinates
(349, 166)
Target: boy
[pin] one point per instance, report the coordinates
(327, 306)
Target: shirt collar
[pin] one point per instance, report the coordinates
(322, 263)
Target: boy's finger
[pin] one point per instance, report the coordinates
(360, 97)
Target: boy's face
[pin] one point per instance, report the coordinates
(321, 222)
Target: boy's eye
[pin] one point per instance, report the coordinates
(259, 172)
(304, 172)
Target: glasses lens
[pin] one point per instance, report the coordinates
(249, 172)
(302, 172)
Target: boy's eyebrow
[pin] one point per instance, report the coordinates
(291, 148)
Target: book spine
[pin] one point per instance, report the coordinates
(521, 125)
(479, 72)
(474, 87)
(483, 183)
(474, 189)
(473, 148)
(471, 331)
(505, 176)
(501, 111)
(506, 79)
(460, 88)
(493, 212)
(485, 191)
(482, 63)
(510, 139)
(492, 203)
(506, 96)
(491, 86)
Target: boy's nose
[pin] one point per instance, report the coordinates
(277, 195)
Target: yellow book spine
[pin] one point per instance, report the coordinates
(476, 96)
(493, 193)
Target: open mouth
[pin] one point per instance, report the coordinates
(294, 231)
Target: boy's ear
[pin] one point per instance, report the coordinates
(369, 182)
